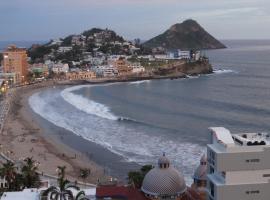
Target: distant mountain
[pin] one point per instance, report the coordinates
(186, 35)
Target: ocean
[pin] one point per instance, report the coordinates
(138, 121)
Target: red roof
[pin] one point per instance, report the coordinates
(129, 193)
(121, 192)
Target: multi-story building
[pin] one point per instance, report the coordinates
(60, 68)
(238, 165)
(15, 61)
(122, 67)
(81, 75)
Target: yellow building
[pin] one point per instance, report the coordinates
(82, 75)
(15, 61)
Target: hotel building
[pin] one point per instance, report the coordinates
(15, 62)
(238, 165)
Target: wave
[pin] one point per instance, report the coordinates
(87, 105)
(223, 71)
(139, 82)
(119, 138)
(192, 77)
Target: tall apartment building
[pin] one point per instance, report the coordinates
(15, 61)
(238, 165)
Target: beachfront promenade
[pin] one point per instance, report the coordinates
(5, 104)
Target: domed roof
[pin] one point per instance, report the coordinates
(163, 162)
(201, 171)
(163, 180)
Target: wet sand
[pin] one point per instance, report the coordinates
(26, 134)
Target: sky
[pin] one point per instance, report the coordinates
(32, 20)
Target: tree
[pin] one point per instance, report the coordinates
(81, 196)
(9, 171)
(29, 174)
(84, 173)
(136, 177)
(62, 192)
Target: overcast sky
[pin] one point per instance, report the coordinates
(46, 19)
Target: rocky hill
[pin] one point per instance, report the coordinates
(185, 36)
(72, 47)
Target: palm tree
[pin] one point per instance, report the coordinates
(10, 173)
(136, 177)
(62, 192)
(84, 173)
(81, 196)
(29, 174)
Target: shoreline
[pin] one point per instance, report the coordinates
(23, 136)
(26, 134)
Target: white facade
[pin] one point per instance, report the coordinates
(137, 68)
(26, 194)
(183, 54)
(238, 165)
(105, 70)
(60, 67)
(64, 49)
(3, 182)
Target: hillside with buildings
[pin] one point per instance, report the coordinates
(187, 35)
(99, 54)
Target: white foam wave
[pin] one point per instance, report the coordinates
(87, 105)
(139, 82)
(133, 144)
(191, 77)
(223, 71)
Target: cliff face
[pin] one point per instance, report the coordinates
(194, 68)
(187, 35)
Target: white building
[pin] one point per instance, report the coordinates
(183, 54)
(64, 49)
(26, 194)
(60, 67)
(3, 182)
(56, 42)
(137, 68)
(238, 165)
(105, 70)
(78, 40)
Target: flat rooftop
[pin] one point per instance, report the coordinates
(224, 136)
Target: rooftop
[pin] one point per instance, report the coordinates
(223, 136)
(26, 194)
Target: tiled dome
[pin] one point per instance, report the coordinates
(163, 180)
(201, 171)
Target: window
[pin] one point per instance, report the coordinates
(212, 189)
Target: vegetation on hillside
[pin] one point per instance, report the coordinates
(187, 35)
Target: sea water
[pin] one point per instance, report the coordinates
(140, 120)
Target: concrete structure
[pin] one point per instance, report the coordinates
(64, 49)
(60, 68)
(81, 75)
(200, 178)
(26, 194)
(238, 165)
(41, 69)
(122, 67)
(137, 68)
(3, 183)
(105, 70)
(15, 61)
(10, 77)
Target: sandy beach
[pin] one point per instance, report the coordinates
(23, 137)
